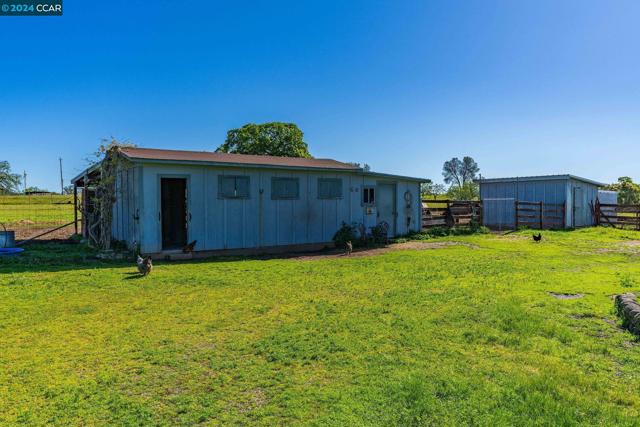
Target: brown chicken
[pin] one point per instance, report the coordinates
(189, 248)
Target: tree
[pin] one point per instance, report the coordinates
(9, 182)
(461, 175)
(273, 139)
(628, 191)
(459, 172)
(34, 189)
(468, 191)
(431, 189)
(68, 189)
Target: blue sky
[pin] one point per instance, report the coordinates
(525, 87)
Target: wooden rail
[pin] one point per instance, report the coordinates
(539, 215)
(449, 213)
(617, 216)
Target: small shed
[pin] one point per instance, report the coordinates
(166, 199)
(550, 201)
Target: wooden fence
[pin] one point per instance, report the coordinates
(617, 216)
(449, 213)
(540, 215)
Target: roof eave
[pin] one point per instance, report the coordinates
(84, 173)
(237, 165)
(393, 176)
(539, 178)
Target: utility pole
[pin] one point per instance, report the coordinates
(61, 180)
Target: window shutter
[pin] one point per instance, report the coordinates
(233, 187)
(285, 188)
(242, 187)
(329, 188)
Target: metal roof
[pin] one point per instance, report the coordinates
(540, 178)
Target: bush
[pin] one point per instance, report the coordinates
(346, 233)
(379, 234)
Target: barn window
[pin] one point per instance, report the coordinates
(233, 187)
(368, 196)
(285, 188)
(329, 188)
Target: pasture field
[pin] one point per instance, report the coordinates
(465, 330)
(45, 209)
(29, 214)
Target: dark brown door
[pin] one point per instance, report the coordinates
(174, 212)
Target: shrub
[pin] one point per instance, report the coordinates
(346, 233)
(379, 234)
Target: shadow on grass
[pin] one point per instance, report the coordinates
(133, 276)
(60, 257)
(64, 256)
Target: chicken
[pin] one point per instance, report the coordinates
(348, 248)
(144, 265)
(537, 238)
(189, 248)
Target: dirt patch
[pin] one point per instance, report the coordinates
(565, 296)
(251, 400)
(23, 233)
(626, 247)
(365, 252)
(510, 236)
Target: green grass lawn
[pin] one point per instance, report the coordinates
(460, 335)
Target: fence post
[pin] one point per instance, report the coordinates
(75, 207)
(516, 212)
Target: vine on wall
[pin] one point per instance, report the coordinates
(110, 163)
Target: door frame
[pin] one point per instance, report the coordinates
(393, 227)
(187, 188)
(573, 205)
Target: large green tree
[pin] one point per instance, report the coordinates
(272, 139)
(461, 176)
(628, 191)
(460, 172)
(9, 182)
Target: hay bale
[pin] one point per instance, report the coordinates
(628, 309)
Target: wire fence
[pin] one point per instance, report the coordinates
(30, 215)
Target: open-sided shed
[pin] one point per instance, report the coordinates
(552, 200)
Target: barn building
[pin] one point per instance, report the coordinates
(167, 198)
(564, 201)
